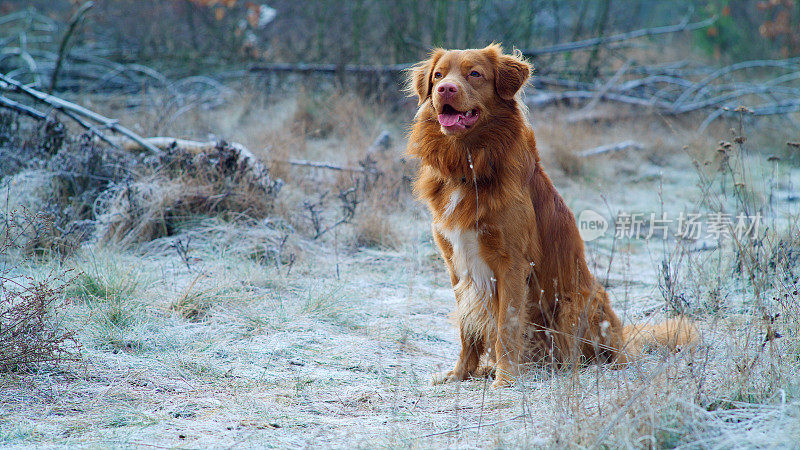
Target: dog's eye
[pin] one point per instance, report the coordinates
(437, 75)
(474, 73)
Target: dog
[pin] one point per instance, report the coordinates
(523, 290)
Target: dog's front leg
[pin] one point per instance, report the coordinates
(471, 350)
(472, 345)
(512, 295)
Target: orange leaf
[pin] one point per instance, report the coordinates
(252, 17)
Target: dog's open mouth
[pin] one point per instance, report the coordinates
(453, 119)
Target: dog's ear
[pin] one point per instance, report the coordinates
(511, 73)
(420, 82)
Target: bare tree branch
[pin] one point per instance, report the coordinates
(62, 49)
(684, 25)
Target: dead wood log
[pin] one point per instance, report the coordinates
(255, 168)
(394, 69)
(610, 148)
(194, 147)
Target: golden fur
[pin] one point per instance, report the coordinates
(516, 261)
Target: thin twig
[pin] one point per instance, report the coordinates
(459, 429)
(22, 109)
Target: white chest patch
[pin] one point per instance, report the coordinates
(455, 199)
(476, 282)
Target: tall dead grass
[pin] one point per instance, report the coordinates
(740, 388)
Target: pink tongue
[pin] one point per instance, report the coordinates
(448, 120)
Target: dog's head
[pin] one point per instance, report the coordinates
(465, 88)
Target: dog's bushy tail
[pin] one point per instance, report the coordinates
(676, 335)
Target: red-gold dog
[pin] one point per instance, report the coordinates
(523, 290)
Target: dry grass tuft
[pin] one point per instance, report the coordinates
(181, 186)
(195, 303)
(374, 230)
(343, 114)
(109, 290)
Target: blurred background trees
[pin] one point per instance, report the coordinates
(202, 33)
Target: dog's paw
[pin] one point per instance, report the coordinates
(502, 379)
(443, 377)
(447, 377)
(501, 383)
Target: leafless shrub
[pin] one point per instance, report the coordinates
(45, 233)
(31, 332)
(320, 222)
(50, 184)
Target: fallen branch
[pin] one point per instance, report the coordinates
(611, 148)
(380, 144)
(768, 109)
(585, 112)
(554, 97)
(63, 105)
(89, 127)
(35, 114)
(394, 69)
(319, 165)
(788, 63)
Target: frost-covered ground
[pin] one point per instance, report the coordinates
(336, 348)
